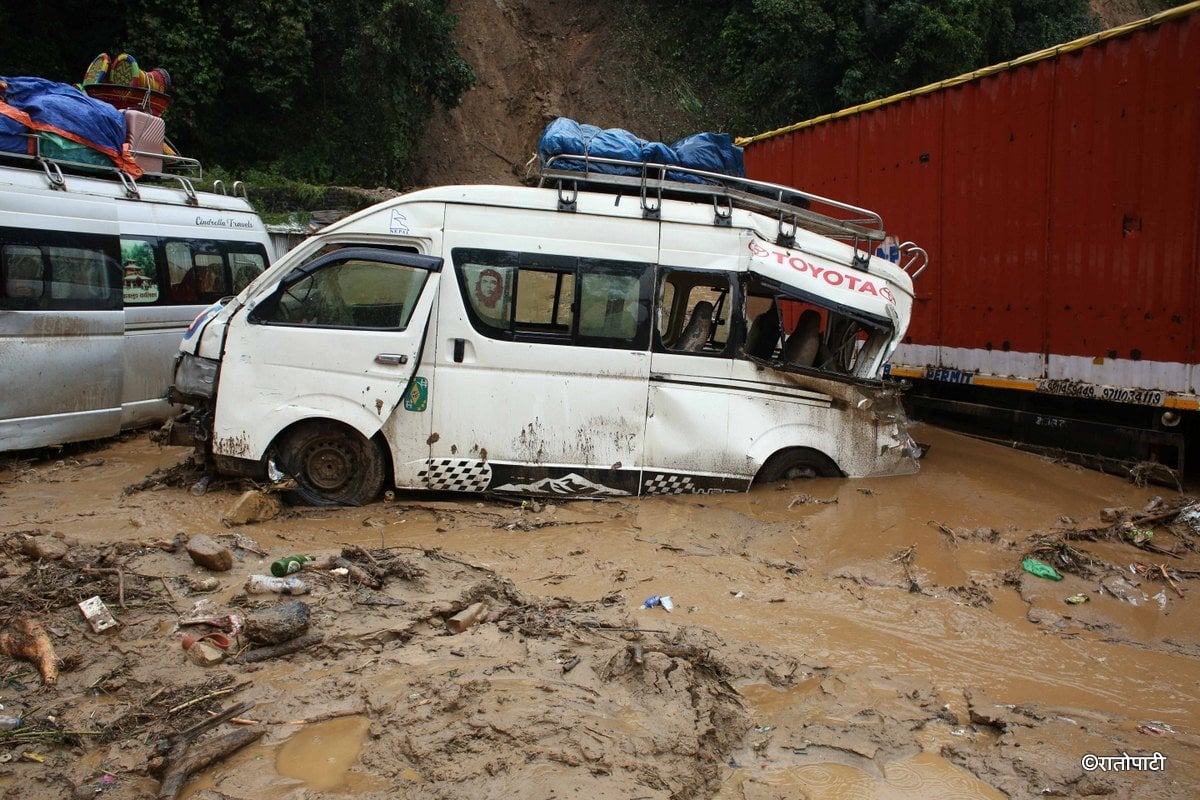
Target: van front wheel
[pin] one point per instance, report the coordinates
(333, 465)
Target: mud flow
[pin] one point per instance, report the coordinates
(998, 625)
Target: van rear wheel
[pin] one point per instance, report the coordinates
(797, 462)
(333, 465)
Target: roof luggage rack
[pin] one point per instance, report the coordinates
(173, 165)
(792, 208)
(176, 170)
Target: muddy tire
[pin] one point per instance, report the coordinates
(332, 465)
(797, 462)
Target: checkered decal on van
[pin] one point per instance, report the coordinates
(456, 476)
(669, 484)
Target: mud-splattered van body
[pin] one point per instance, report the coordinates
(630, 337)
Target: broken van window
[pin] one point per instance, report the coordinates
(795, 331)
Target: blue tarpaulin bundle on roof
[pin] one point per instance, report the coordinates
(710, 152)
(36, 105)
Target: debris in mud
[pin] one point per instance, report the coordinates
(182, 475)
(32, 644)
(807, 499)
(1041, 570)
(1058, 556)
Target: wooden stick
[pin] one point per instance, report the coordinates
(180, 766)
(201, 699)
(1161, 515)
(359, 574)
(184, 737)
(348, 712)
(1162, 568)
(110, 571)
(286, 648)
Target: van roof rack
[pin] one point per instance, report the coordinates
(177, 170)
(792, 208)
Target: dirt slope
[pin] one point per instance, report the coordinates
(535, 61)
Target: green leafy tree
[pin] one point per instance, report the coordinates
(322, 90)
(759, 64)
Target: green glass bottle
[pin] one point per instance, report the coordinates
(289, 564)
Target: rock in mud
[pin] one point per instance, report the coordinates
(253, 506)
(49, 548)
(206, 552)
(205, 654)
(279, 623)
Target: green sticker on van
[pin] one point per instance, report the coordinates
(417, 398)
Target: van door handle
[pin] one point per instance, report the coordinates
(460, 347)
(391, 358)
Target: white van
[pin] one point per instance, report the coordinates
(596, 336)
(99, 278)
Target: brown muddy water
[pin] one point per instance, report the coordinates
(925, 663)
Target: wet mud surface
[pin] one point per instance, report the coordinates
(828, 638)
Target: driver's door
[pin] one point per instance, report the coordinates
(337, 339)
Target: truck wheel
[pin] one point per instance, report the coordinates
(333, 465)
(797, 462)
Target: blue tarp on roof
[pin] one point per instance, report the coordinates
(711, 152)
(36, 104)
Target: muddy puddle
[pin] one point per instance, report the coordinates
(828, 639)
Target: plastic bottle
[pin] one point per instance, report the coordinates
(289, 564)
(10, 723)
(264, 584)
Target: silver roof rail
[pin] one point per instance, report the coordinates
(791, 207)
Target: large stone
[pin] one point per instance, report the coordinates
(279, 623)
(50, 548)
(253, 506)
(209, 554)
(205, 654)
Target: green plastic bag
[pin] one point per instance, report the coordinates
(1035, 567)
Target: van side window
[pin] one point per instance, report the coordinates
(351, 293)
(795, 331)
(543, 300)
(179, 269)
(608, 304)
(197, 272)
(246, 267)
(554, 299)
(693, 312)
(57, 271)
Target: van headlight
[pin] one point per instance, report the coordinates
(196, 376)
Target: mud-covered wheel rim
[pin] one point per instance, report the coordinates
(333, 465)
(329, 463)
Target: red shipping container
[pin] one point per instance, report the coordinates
(1058, 196)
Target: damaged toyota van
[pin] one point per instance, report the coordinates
(597, 335)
